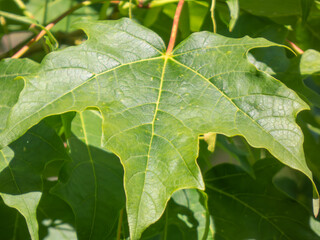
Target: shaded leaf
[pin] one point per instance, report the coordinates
(244, 157)
(56, 219)
(21, 168)
(243, 208)
(186, 217)
(306, 8)
(292, 78)
(272, 8)
(92, 183)
(12, 223)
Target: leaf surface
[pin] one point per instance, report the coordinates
(155, 106)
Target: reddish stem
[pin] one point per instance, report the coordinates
(175, 27)
(295, 47)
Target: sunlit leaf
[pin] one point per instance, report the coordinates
(154, 106)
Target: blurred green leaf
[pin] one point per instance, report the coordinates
(234, 12)
(310, 62)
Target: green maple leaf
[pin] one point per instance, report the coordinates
(155, 106)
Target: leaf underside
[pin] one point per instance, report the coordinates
(155, 106)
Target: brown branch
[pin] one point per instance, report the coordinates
(26, 47)
(175, 27)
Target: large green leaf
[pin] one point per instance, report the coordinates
(92, 183)
(244, 208)
(154, 106)
(21, 168)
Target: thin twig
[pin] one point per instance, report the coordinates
(175, 27)
(213, 4)
(26, 47)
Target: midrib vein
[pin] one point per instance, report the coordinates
(94, 174)
(152, 134)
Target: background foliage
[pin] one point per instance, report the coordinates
(58, 181)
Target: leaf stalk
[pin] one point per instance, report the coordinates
(174, 29)
(213, 4)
